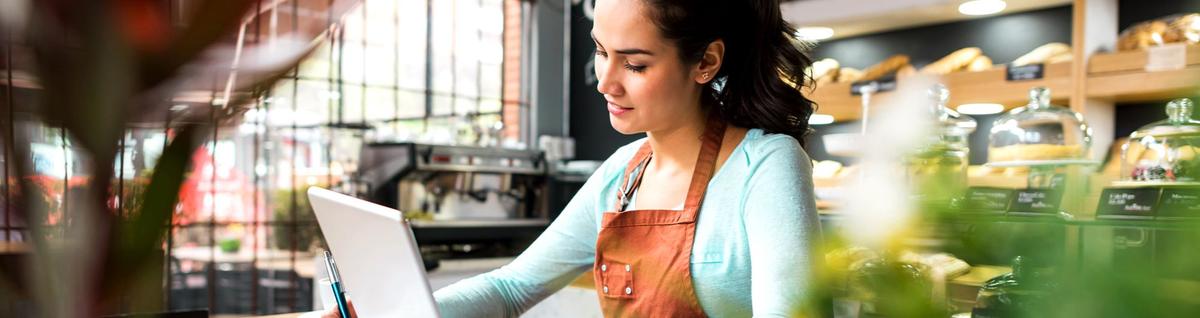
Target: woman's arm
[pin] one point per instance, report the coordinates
(564, 251)
(781, 222)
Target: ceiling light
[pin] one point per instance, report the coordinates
(820, 119)
(981, 7)
(980, 109)
(814, 33)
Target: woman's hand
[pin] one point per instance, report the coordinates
(333, 312)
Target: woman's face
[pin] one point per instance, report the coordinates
(648, 87)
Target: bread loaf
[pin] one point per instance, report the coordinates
(953, 62)
(980, 63)
(1185, 28)
(849, 74)
(906, 71)
(1143, 35)
(888, 66)
(1065, 57)
(1042, 54)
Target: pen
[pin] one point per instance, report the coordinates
(335, 281)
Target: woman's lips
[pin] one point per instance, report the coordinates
(617, 109)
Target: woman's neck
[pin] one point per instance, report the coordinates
(676, 148)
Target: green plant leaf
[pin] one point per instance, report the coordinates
(136, 240)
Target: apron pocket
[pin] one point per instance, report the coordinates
(616, 280)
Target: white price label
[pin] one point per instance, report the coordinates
(1167, 57)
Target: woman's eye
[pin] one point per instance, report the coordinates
(635, 68)
(601, 53)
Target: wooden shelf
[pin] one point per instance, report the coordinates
(1118, 77)
(1128, 61)
(1122, 77)
(987, 86)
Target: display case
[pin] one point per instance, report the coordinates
(1164, 152)
(1039, 133)
(939, 166)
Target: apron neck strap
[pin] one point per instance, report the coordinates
(706, 165)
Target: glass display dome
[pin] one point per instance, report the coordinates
(939, 166)
(952, 129)
(1164, 151)
(1039, 133)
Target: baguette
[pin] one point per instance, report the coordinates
(888, 66)
(953, 62)
(906, 71)
(1042, 53)
(981, 63)
(1065, 57)
(849, 74)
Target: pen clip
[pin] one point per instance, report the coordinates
(331, 268)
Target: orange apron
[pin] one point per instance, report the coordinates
(643, 257)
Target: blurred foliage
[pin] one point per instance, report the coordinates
(303, 234)
(1063, 266)
(102, 66)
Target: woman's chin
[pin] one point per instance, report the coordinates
(622, 126)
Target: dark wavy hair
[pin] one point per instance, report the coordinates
(760, 52)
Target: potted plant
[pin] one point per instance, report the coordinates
(100, 66)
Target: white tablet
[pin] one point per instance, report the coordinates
(377, 257)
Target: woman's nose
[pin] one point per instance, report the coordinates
(608, 79)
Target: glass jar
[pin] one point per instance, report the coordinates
(1039, 132)
(1164, 151)
(938, 168)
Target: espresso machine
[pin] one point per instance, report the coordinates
(458, 197)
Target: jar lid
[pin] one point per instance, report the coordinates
(948, 121)
(1179, 122)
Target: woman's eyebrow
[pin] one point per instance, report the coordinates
(630, 51)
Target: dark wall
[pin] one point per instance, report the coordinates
(595, 139)
(1002, 38)
(1132, 12)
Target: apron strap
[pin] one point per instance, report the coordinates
(706, 162)
(638, 164)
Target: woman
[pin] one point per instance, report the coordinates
(711, 214)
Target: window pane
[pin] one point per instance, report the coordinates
(381, 19)
(352, 103)
(465, 105)
(442, 45)
(411, 104)
(411, 38)
(381, 104)
(319, 65)
(490, 105)
(311, 104)
(353, 62)
(382, 67)
(442, 105)
(490, 79)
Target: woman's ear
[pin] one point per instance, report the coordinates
(710, 63)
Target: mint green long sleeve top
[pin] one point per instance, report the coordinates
(751, 255)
